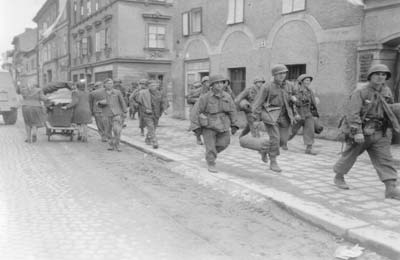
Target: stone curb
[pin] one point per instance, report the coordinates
(382, 241)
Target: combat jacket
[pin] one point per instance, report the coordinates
(219, 110)
(274, 94)
(115, 104)
(305, 104)
(249, 94)
(152, 103)
(367, 103)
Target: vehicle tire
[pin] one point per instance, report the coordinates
(10, 117)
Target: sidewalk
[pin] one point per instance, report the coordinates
(304, 187)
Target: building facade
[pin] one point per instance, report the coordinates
(24, 58)
(125, 40)
(53, 44)
(242, 39)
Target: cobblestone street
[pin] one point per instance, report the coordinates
(69, 200)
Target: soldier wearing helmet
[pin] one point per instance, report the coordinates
(306, 107)
(370, 122)
(273, 107)
(133, 99)
(213, 116)
(244, 101)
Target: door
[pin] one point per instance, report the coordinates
(238, 79)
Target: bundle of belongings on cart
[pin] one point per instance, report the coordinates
(59, 94)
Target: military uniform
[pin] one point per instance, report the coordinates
(152, 105)
(249, 94)
(306, 108)
(214, 116)
(101, 120)
(371, 121)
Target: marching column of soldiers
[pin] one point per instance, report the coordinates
(281, 108)
(277, 107)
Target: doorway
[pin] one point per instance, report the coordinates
(238, 79)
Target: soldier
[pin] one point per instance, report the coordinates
(133, 106)
(272, 108)
(97, 111)
(214, 115)
(192, 98)
(152, 105)
(115, 110)
(143, 84)
(205, 83)
(248, 95)
(370, 121)
(228, 88)
(306, 107)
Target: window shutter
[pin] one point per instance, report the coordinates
(185, 24)
(239, 10)
(97, 42)
(299, 5)
(286, 6)
(231, 12)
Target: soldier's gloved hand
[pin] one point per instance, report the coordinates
(234, 129)
(197, 131)
(359, 138)
(297, 118)
(293, 99)
(148, 111)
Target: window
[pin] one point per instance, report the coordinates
(84, 47)
(75, 10)
(195, 16)
(236, 11)
(289, 6)
(82, 11)
(185, 24)
(156, 36)
(89, 7)
(295, 71)
(107, 38)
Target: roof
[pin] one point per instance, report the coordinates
(26, 41)
(43, 9)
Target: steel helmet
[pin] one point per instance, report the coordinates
(379, 68)
(216, 78)
(259, 79)
(143, 81)
(303, 77)
(278, 68)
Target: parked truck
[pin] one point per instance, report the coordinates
(8, 99)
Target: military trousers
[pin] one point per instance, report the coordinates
(114, 126)
(278, 134)
(150, 123)
(378, 147)
(308, 125)
(215, 142)
(101, 123)
(249, 128)
(141, 115)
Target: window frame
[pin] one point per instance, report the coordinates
(292, 9)
(191, 16)
(233, 15)
(148, 36)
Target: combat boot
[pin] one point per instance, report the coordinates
(340, 182)
(273, 165)
(212, 168)
(155, 144)
(391, 192)
(309, 150)
(264, 157)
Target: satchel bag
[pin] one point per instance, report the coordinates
(269, 115)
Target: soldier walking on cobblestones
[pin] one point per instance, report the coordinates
(134, 98)
(369, 122)
(306, 107)
(214, 116)
(245, 100)
(115, 110)
(272, 108)
(97, 95)
(152, 104)
(192, 99)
